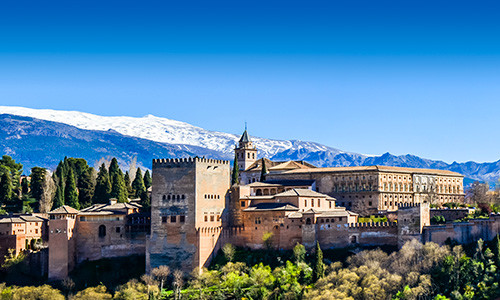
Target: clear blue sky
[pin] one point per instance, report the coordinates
(420, 77)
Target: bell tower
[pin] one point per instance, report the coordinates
(246, 153)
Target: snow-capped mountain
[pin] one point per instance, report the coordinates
(40, 137)
(163, 130)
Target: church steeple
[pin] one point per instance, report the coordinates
(246, 153)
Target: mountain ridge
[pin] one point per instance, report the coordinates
(90, 136)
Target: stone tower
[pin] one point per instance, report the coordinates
(62, 255)
(188, 200)
(245, 152)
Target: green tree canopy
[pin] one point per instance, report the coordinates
(102, 191)
(147, 180)
(138, 184)
(71, 192)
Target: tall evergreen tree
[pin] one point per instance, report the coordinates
(235, 178)
(25, 186)
(114, 169)
(58, 198)
(5, 188)
(86, 188)
(138, 184)
(71, 192)
(103, 186)
(15, 169)
(118, 188)
(319, 268)
(147, 180)
(130, 190)
(37, 182)
(263, 171)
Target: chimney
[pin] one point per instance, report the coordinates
(112, 201)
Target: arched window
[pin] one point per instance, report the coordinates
(259, 192)
(183, 196)
(253, 155)
(164, 197)
(168, 197)
(308, 221)
(102, 231)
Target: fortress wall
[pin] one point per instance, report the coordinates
(463, 232)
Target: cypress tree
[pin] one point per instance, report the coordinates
(235, 179)
(71, 192)
(138, 184)
(118, 189)
(263, 171)
(25, 187)
(130, 191)
(319, 268)
(147, 180)
(37, 180)
(114, 169)
(58, 198)
(86, 188)
(498, 250)
(5, 188)
(103, 186)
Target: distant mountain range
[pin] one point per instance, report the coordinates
(37, 137)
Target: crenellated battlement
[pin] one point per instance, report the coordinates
(159, 162)
(373, 225)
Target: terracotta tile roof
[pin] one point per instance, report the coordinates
(65, 209)
(375, 168)
(11, 220)
(285, 165)
(289, 165)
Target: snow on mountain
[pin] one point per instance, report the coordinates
(163, 130)
(43, 141)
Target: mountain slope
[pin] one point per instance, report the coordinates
(43, 143)
(162, 130)
(45, 140)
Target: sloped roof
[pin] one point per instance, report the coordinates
(65, 209)
(31, 218)
(244, 138)
(303, 193)
(11, 220)
(286, 165)
(116, 208)
(272, 206)
(289, 165)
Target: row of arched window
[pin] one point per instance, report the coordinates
(209, 196)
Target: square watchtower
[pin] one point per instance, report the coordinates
(187, 202)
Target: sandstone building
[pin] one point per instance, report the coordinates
(195, 210)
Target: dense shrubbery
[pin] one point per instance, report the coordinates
(416, 271)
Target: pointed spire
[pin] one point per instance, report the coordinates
(244, 137)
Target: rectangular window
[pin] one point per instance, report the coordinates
(182, 219)
(164, 219)
(242, 203)
(218, 217)
(319, 204)
(206, 218)
(117, 229)
(173, 219)
(212, 218)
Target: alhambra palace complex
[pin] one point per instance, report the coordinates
(195, 211)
